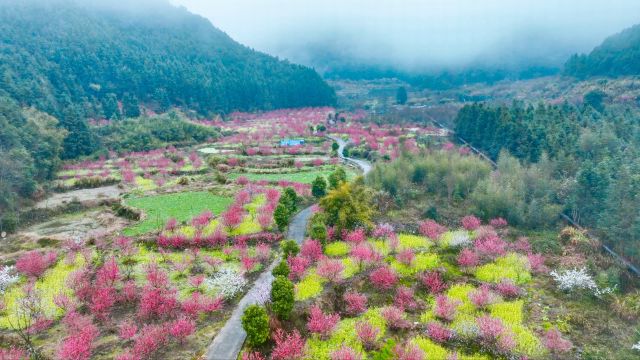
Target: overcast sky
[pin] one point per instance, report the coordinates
(413, 32)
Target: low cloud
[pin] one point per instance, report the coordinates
(416, 34)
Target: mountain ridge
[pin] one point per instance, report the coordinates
(53, 54)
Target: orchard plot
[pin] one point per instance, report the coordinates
(442, 294)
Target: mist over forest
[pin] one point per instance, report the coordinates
(420, 37)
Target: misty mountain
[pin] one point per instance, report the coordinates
(618, 55)
(56, 53)
(524, 55)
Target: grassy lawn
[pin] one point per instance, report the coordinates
(182, 206)
(305, 177)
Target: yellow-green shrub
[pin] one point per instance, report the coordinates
(431, 349)
(337, 249)
(309, 287)
(408, 241)
(425, 261)
(509, 312)
(380, 246)
(350, 267)
(511, 266)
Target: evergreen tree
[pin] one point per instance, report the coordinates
(130, 106)
(595, 99)
(255, 322)
(282, 297)
(401, 95)
(282, 269)
(319, 187)
(289, 200)
(337, 178)
(281, 217)
(80, 140)
(289, 248)
(110, 107)
(162, 98)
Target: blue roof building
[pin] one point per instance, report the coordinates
(291, 142)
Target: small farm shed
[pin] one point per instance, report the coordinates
(291, 142)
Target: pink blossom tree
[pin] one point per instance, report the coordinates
(81, 333)
(470, 222)
(367, 334)
(233, 216)
(431, 229)
(297, 265)
(182, 328)
(468, 258)
(408, 351)
(383, 278)
(365, 255)
(311, 249)
(356, 236)
(555, 343)
(490, 246)
(405, 256)
(507, 288)
(345, 353)
(34, 263)
(321, 323)
(331, 270)
(433, 282)
(151, 338)
(288, 346)
(438, 332)
(395, 317)
(127, 330)
(405, 298)
(482, 297)
(490, 328)
(445, 307)
(356, 302)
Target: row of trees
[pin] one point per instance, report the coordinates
(590, 155)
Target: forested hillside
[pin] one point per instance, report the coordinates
(618, 55)
(593, 155)
(59, 52)
(63, 62)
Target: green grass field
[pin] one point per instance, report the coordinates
(182, 206)
(305, 177)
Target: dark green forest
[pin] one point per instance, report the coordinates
(57, 53)
(618, 55)
(439, 80)
(594, 155)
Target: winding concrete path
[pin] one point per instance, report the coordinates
(364, 165)
(228, 343)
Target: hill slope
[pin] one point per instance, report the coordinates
(618, 55)
(61, 51)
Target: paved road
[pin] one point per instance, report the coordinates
(362, 164)
(228, 342)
